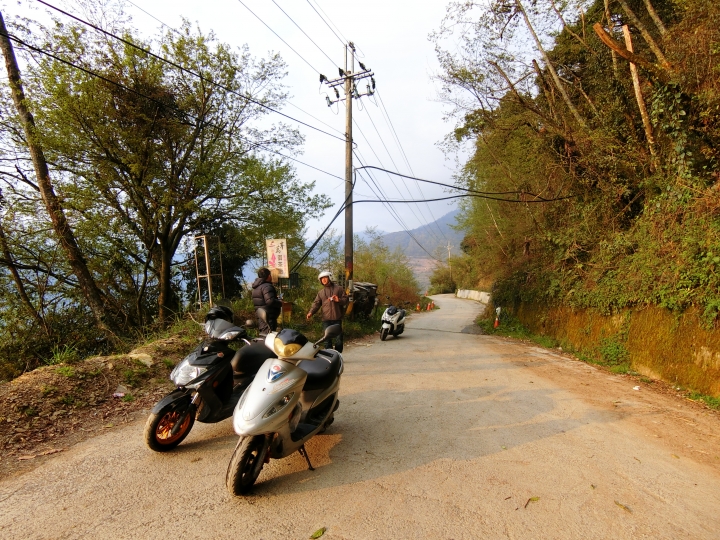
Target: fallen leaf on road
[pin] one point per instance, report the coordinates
(626, 508)
(318, 533)
(532, 499)
(676, 457)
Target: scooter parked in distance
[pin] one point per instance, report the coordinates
(393, 321)
(291, 399)
(209, 381)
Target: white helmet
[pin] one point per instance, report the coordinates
(326, 274)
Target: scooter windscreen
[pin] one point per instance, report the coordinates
(287, 342)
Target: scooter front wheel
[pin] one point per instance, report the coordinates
(159, 427)
(383, 334)
(246, 463)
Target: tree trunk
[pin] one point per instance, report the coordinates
(19, 283)
(638, 95)
(609, 25)
(654, 47)
(551, 68)
(60, 224)
(653, 14)
(166, 296)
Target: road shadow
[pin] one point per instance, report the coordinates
(385, 433)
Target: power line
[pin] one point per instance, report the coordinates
(278, 36)
(164, 105)
(474, 192)
(403, 225)
(402, 150)
(186, 70)
(341, 39)
(303, 31)
(289, 103)
(395, 214)
(406, 187)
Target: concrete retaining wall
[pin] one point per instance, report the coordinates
(480, 296)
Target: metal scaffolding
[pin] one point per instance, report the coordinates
(203, 242)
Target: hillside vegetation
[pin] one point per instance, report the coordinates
(614, 183)
(111, 160)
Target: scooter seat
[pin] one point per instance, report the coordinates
(322, 371)
(248, 359)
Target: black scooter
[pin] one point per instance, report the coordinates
(210, 381)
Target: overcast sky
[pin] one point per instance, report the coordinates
(391, 37)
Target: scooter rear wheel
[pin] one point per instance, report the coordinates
(383, 334)
(158, 428)
(246, 463)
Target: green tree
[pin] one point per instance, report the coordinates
(150, 153)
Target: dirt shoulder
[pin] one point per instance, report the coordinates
(49, 409)
(662, 410)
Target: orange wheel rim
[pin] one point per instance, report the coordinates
(164, 427)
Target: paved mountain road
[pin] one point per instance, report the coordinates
(440, 434)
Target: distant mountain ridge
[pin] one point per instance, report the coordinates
(432, 237)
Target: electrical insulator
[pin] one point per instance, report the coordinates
(328, 101)
(372, 80)
(337, 94)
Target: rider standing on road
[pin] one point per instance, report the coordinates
(333, 300)
(265, 296)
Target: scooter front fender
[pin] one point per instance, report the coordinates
(177, 398)
(387, 325)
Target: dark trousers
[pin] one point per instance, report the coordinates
(338, 340)
(265, 328)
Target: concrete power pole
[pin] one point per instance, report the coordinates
(449, 248)
(349, 174)
(348, 79)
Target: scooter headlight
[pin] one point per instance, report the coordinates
(285, 351)
(184, 372)
(280, 405)
(288, 342)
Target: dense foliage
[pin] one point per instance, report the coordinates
(374, 262)
(143, 155)
(551, 111)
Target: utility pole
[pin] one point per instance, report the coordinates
(348, 79)
(449, 247)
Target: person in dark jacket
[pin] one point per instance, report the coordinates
(333, 301)
(265, 296)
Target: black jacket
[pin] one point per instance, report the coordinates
(265, 296)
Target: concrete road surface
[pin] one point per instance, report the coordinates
(440, 434)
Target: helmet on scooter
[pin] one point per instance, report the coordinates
(220, 312)
(218, 320)
(326, 274)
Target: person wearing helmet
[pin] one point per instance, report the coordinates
(333, 301)
(265, 296)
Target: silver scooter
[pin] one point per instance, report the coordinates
(292, 398)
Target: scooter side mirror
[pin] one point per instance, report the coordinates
(330, 332)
